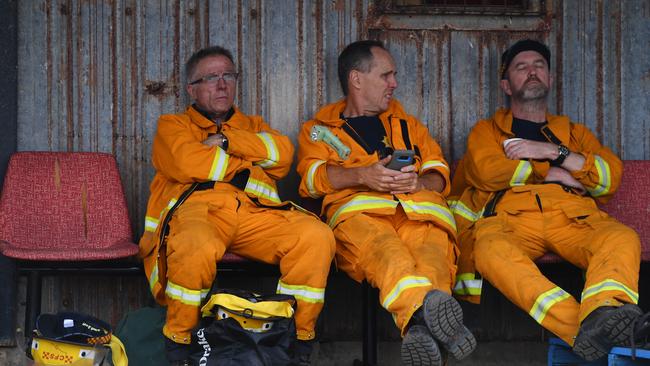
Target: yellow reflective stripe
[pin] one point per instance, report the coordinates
(402, 285)
(153, 279)
(545, 301)
(219, 165)
(429, 208)
(359, 203)
(460, 209)
(185, 295)
(272, 152)
(609, 285)
(432, 164)
(150, 223)
(604, 178)
(311, 173)
(468, 284)
(521, 174)
(301, 292)
(262, 190)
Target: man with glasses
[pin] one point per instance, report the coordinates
(215, 191)
(528, 185)
(392, 224)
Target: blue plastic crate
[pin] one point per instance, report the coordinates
(622, 356)
(560, 354)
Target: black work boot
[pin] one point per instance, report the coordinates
(301, 352)
(419, 348)
(178, 354)
(604, 328)
(444, 318)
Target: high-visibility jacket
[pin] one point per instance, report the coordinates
(404, 132)
(256, 156)
(485, 170)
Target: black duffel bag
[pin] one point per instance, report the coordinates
(243, 328)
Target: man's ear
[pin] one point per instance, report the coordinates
(354, 79)
(190, 91)
(505, 86)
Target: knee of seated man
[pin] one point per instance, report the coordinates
(315, 235)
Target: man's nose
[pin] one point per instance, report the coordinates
(392, 82)
(221, 83)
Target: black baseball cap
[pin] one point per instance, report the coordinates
(521, 46)
(73, 327)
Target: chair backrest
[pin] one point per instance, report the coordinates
(631, 202)
(64, 206)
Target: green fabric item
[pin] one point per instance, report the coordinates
(141, 333)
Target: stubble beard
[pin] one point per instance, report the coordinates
(532, 97)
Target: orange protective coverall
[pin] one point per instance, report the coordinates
(403, 244)
(532, 219)
(251, 222)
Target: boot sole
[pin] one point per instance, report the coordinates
(444, 318)
(617, 330)
(419, 348)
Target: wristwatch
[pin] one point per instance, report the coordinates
(563, 152)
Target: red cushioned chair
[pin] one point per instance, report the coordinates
(64, 212)
(630, 205)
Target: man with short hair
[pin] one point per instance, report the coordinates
(393, 227)
(215, 186)
(527, 185)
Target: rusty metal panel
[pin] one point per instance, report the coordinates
(96, 74)
(448, 79)
(604, 78)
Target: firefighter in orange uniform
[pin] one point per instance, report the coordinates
(393, 227)
(215, 172)
(527, 185)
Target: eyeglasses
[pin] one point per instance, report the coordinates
(213, 79)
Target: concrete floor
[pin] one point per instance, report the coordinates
(345, 353)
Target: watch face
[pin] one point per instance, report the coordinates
(564, 151)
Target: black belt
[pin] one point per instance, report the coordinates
(239, 180)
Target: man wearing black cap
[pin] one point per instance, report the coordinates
(528, 185)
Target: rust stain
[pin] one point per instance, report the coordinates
(115, 77)
(619, 84)
(482, 41)
(362, 32)
(301, 61)
(240, 89)
(206, 23)
(84, 207)
(67, 74)
(258, 60)
(559, 52)
(57, 175)
(318, 18)
(339, 5)
(417, 37)
(176, 56)
(155, 88)
(48, 40)
(64, 9)
(600, 71)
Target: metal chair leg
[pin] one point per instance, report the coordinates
(33, 301)
(370, 299)
(8, 294)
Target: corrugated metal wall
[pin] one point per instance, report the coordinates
(95, 75)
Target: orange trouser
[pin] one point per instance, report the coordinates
(210, 223)
(507, 244)
(404, 259)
